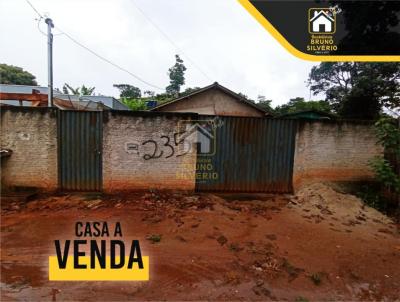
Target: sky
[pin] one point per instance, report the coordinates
(217, 39)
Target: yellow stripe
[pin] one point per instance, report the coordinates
(276, 34)
(97, 274)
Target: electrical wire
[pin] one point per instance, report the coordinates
(170, 40)
(42, 32)
(108, 61)
(31, 5)
(61, 32)
(38, 26)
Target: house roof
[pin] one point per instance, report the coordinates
(10, 92)
(320, 14)
(215, 85)
(79, 105)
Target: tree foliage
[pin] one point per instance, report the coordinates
(10, 74)
(357, 90)
(188, 91)
(388, 134)
(242, 95)
(299, 104)
(135, 104)
(83, 90)
(176, 77)
(149, 93)
(385, 174)
(128, 91)
(265, 104)
(370, 26)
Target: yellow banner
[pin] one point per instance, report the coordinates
(97, 274)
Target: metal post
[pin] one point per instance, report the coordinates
(50, 25)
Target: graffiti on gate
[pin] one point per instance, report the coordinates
(161, 147)
(179, 143)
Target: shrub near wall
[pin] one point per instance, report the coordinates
(334, 151)
(139, 152)
(31, 134)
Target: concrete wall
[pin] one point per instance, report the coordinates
(325, 151)
(334, 151)
(130, 138)
(31, 133)
(213, 102)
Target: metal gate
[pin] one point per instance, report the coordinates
(80, 150)
(251, 155)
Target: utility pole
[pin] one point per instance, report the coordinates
(50, 25)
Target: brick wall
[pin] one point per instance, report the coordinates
(325, 151)
(334, 151)
(129, 141)
(31, 133)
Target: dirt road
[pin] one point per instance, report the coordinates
(314, 246)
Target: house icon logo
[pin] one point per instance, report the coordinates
(321, 21)
(199, 134)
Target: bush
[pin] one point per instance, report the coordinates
(386, 171)
(385, 174)
(135, 104)
(371, 194)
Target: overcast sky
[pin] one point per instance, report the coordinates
(219, 36)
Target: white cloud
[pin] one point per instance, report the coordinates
(219, 36)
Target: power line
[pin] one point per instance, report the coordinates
(107, 60)
(170, 40)
(31, 5)
(94, 53)
(38, 27)
(40, 19)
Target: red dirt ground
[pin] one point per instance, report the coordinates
(213, 247)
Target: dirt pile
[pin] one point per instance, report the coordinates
(320, 200)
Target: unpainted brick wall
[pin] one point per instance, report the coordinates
(325, 151)
(334, 151)
(31, 133)
(125, 151)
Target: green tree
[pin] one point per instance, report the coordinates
(357, 90)
(372, 25)
(162, 98)
(299, 104)
(128, 91)
(387, 169)
(83, 90)
(264, 103)
(149, 93)
(245, 97)
(135, 104)
(176, 77)
(10, 74)
(189, 90)
(388, 134)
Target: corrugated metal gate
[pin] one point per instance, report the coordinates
(251, 155)
(80, 150)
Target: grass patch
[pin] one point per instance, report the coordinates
(291, 270)
(154, 238)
